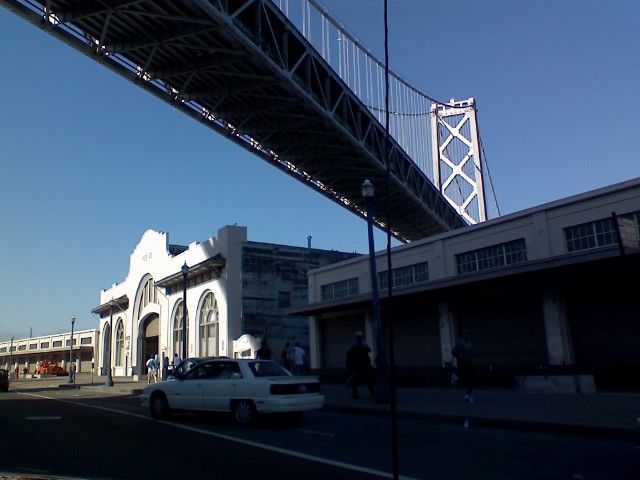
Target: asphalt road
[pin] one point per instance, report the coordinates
(90, 435)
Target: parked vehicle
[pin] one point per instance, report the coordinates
(51, 368)
(241, 387)
(4, 380)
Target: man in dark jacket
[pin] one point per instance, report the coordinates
(466, 371)
(359, 369)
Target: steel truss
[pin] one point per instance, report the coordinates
(241, 68)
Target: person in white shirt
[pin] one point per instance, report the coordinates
(152, 370)
(300, 360)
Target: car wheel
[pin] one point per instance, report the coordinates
(244, 412)
(159, 406)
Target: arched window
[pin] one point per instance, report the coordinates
(119, 344)
(146, 295)
(177, 329)
(209, 326)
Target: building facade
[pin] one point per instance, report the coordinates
(26, 353)
(236, 292)
(548, 289)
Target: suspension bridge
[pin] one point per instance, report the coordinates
(302, 95)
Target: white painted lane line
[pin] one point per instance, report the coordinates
(271, 448)
(292, 453)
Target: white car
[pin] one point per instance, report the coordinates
(241, 387)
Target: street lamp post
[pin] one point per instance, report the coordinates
(109, 381)
(383, 389)
(185, 273)
(10, 352)
(71, 375)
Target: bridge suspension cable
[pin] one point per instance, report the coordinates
(413, 113)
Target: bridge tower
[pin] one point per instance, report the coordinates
(457, 162)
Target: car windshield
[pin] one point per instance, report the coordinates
(186, 365)
(267, 369)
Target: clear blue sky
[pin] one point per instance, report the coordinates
(89, 161)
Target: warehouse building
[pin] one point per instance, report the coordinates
(548, 290)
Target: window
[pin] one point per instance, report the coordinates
(215, 370)
(68, 342)
(44, 345)
(85, 341)
(492, 257)
(57, 343)
(147, 295)
(404, 276)
(177, 329)
(209, 326)
(636, 218)
(284, 299)
(590, 235)
(345, 288)
(119, 344)
(267, 369)
(33, 346)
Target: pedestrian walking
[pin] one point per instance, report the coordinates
(176, 360)
(300, 360)
(165, 367)
(152, 370)
(463, 352)
(264, 352)
(359, 368)
(285, 356)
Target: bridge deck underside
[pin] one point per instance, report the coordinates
(242, 68)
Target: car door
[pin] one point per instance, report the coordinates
(188, 390)
(221, 385)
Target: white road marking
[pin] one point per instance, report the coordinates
(271, 448)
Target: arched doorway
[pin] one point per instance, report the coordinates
(149, 340)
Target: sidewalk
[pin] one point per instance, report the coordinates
(604, 414)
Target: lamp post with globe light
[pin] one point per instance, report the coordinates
(383, 388)
(185, 274)
(71, 372)
(10, 353)
(109, 380)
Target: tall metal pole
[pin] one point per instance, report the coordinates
(71, 372)
(383, 391)
(185, 273)
(387, 160)
(10, 352)
(109, 381)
